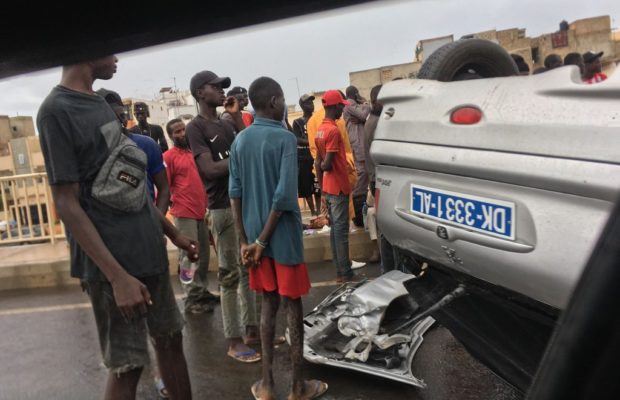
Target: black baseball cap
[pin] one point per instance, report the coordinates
(207, 77)
(110, 96)
(590, 56)
(237, 90)
(140, 106)
(306, 97)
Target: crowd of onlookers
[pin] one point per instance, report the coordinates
(589, 63)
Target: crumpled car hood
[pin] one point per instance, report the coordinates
(354, 328)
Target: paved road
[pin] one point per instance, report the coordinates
(49, 350)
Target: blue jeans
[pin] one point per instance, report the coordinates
(338, 209)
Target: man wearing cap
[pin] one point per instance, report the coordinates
(593, 68)
(210, 139)
(242, 97)
(355, 115)
(141, 112)
(331, 166)
(305, 181)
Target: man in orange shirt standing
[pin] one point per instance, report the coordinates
(332, 171)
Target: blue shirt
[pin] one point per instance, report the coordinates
(263, 174)
(155, 161)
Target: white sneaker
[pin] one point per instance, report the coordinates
(357, 264)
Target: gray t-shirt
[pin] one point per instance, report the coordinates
(70, 131)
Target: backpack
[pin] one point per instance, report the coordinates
(121, 183)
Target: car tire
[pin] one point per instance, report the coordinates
(468, 59)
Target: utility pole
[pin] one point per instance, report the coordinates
(176, 96)
(297, 83)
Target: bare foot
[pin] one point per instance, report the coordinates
(261, 392)
(312, 390)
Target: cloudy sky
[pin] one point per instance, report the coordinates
(318, 51)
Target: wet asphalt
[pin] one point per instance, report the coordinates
(49, 350)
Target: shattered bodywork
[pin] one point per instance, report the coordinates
(368, 327)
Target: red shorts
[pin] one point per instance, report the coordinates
(288, 280)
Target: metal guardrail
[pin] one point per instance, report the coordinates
(27, 212)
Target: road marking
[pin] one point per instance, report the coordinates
(78, 306)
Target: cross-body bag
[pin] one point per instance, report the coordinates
(121, 183)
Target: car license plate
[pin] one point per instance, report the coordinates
(493, 217)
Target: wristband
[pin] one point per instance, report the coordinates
(260, 243)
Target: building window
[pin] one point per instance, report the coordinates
(559, 39)
(386, 75)
(535, 54)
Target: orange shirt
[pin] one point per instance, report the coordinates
(312, 127)
(329, 140)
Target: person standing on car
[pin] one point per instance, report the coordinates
(304, 158)
(210, 139)
(141, 112)
(189, 206)
(331, 167)
(263, 192)
(355, 115)
(593, 68)
(127, 281)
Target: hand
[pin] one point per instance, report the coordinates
(191, 247)
(244, 255)
(231, 105)
(131, 296)
(253, 254)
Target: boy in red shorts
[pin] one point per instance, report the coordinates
(263, 194)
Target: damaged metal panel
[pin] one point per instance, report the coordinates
(353, 328)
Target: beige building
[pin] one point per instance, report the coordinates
(580, 36)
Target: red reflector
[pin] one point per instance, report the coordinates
(466, 116)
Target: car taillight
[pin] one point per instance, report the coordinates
(466, 116)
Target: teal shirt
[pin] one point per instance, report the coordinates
(263, 174)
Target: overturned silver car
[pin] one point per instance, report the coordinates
(373, 327)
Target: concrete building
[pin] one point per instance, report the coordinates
(579, 36)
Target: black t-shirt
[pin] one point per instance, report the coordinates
(72, 131)
(214, 137)
(155, 132)
(300, 130)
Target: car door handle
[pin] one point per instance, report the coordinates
(454, 233)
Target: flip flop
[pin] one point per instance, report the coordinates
(255, 392)
(250, 356)
(318, 389)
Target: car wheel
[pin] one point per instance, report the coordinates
(468, 59)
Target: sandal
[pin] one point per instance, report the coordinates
(250, 356)
(317, 387)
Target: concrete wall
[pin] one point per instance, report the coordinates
(366, 80)
(5, 135)
(22, 126)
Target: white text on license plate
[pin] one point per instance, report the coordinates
(493, 217)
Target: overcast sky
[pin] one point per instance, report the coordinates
(319, 50)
